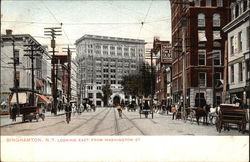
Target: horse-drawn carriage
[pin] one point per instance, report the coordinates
(146, 108)
(231, 114)
(27, 110)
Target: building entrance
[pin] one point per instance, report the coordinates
(116, 100)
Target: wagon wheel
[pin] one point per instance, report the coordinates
(23, 118)
(43, 117)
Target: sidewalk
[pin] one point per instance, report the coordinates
(170, 115)
(5, 119)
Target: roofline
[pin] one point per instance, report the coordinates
(108, 38)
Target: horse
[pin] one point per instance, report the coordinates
(213, 113)
(202, 112)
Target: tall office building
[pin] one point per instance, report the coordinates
(104, 60)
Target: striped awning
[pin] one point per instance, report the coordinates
(43, 99)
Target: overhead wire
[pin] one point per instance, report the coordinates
(57, 21)
(142, 23)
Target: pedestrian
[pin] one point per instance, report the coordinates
(68, 110)
(174, 110)
(119, 109)
(14, 112)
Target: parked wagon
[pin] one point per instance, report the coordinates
(27, 110)
(146, 108)
(231, 114)
(31, 113)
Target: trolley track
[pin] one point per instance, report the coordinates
(135, 125)
(99, 122)
(88, 120)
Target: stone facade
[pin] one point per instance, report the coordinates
(238, 32)
(104, 60)
(23, 65)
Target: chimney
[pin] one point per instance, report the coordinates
(8, 32)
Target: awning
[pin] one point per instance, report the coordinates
(39, 83)
(43, 99)
(22, 98)
(236, 90)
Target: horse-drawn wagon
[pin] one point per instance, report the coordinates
(231, 114)
(146, 108)
(26, 109)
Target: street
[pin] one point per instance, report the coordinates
(106, 122)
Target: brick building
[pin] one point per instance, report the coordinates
(164, 61)
(198, 47)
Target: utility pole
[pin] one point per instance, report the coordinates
(32, 57)
(53, 32)
(184, 69)
(15, 77)
(69, 73)
(151, 86)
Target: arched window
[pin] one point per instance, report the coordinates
(201, 20)
(216, 19)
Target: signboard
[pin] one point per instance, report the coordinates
(166, 55)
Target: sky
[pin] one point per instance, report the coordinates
(114, 18)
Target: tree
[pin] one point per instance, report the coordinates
(107, 92)
(139, 84)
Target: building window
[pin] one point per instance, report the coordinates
(220, 3)
(202, 36)
(208, 3)
(197, 3)
(216, 44)
(216, 35)
(202, 57)
(240, 41)
(201, 20)
(218, 82)
(99, 95)
(217, 57)
(217, 76)
(232, 73)
(236, 10)
(112, 81)
(90, 95)
(232, 45)
(240, 72)
(247, 69)
(216, 20)
(244, 5)
(17, 57)
(202, 79)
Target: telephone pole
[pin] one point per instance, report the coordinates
(15, 77)
(53, 32)
(69, 73)
(33, 48)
